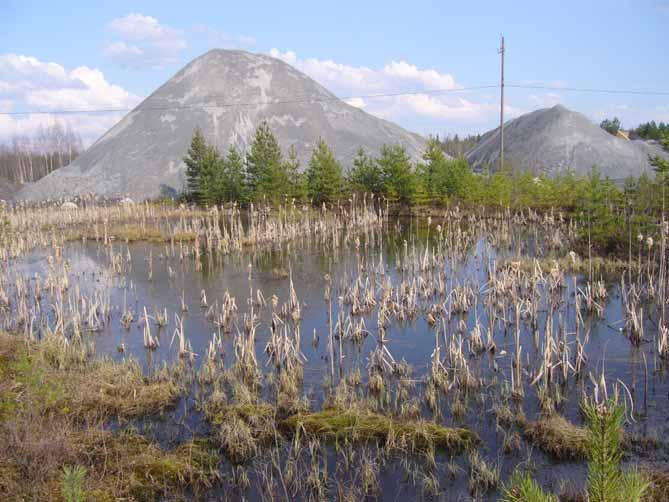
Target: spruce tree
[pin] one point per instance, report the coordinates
(325, 180)
(194, 160)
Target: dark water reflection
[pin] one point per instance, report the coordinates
(411, 340)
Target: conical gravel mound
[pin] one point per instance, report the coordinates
(556, 141)
(141, 156)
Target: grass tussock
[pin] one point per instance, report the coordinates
(241, 429)
(365, 426)
(117, 466)
(120, 390)
(63, 380)
(135, 467)
(557, 437)
(52, 439)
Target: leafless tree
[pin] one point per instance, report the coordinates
(28, 158)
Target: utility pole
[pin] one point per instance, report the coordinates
(501, 111)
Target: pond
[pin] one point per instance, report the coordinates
(467, 322)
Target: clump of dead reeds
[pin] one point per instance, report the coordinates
(482, 477)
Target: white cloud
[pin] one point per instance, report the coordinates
(342, 77)
(357, 102)
(361, 86)
(143, 42)
(19, 73)
(27, 83)
(432, 79)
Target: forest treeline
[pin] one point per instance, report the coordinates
(263, 173)
(27, 158)
(646, 130)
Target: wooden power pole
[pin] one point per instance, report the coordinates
(501, 111)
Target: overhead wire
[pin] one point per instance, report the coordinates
(325, 99)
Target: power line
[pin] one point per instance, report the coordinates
(586, 89)
(207, 104)
(307, 99)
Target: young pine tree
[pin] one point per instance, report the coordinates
(434, 170)
(296, 180)
(265, 168)
(194, 161)
(606, 481)
(661, 168)
(235, 189)
(595, 203)
(325, 180)
(443, 177)
(398, 175)
(212, 181)
(366, 175)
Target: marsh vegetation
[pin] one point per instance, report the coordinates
(281, 352)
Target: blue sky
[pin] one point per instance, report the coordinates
(82, 54)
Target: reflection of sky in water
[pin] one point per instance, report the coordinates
(413, 341)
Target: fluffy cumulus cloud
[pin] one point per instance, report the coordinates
(421, 98)
(26, 83)
(141, 42)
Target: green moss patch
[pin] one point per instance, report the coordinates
(364, 426)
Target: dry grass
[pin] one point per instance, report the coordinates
(243, 428)
(135, 467)
(131, 233)
(659, 484)
(119, 389)
(50, 418)
(557, 437)
(79, 386)
(579, 265)
(119, 466)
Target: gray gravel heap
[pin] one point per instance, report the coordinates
(554, 141)
(142, 155)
